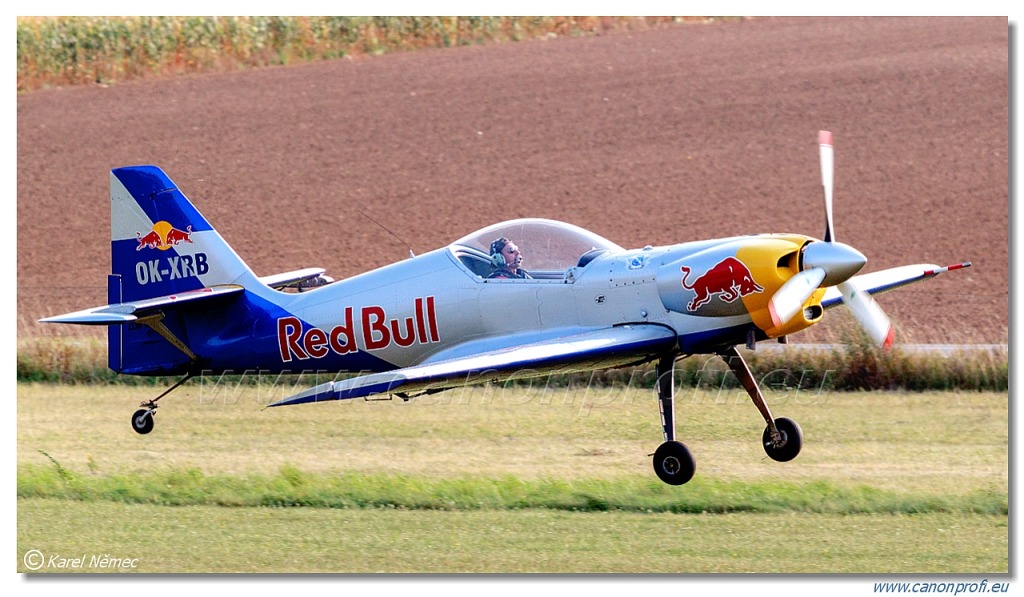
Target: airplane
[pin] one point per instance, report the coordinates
(182, 302)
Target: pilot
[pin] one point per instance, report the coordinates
(506, 259)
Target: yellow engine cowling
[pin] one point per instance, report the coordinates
(772, 260)
(737, 277)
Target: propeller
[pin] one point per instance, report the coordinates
(830, 263)
(865, 309)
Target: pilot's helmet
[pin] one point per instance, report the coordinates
(498, 245)
(497, 257)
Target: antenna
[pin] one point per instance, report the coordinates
(400, 239)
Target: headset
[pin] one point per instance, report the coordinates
(497, 258)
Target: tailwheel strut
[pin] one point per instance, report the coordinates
(782, 437)
(142, 419)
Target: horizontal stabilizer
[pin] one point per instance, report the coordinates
(131, 311)
(601, 348)
(292, 278)
(888, 279)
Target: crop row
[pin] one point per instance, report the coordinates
(62, 51)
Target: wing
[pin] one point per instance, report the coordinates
(532, 357)
(131, 311)
(888, 279)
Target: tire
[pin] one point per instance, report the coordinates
(142, 421)
(673, 463)
(792, 440)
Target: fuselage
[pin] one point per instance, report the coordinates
(442, 305)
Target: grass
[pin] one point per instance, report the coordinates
(211, 539)
(493, 480)
(899, 441)
(292, 487)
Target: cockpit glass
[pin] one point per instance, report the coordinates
(545, 244)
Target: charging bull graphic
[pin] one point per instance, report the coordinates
(729, 277)
(163, 236)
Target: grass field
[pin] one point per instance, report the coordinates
(886, 483)
(212, 539)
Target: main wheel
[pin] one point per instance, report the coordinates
(673, 463)
(789, 443)
(142, 421)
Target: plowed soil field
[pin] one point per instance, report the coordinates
(656, 137)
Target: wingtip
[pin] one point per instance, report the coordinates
(99, 316)
(935, 270)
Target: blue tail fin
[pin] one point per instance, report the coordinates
(160, 244)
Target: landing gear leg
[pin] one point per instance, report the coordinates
(666, 395)
(673, 462)
(782, 438)
(142, 419)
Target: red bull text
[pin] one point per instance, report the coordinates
(377, 332)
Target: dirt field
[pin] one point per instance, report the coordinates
(656, 137)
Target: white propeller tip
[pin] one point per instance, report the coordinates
(825, 138)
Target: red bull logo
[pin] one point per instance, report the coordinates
(163, 236)
(729, 278)
(376, 331)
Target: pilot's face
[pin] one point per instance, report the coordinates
(512, 255)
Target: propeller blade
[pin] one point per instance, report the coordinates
(791, 296)
(827, 166)
(868, 314)
(842, 261)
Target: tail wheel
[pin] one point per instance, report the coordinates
(673, 463)
(787, 444)
(142, 421)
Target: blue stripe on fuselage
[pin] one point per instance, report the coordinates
(240, 334)
(713, 341)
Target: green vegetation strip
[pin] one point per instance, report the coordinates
(56, 51)
(292, 487)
